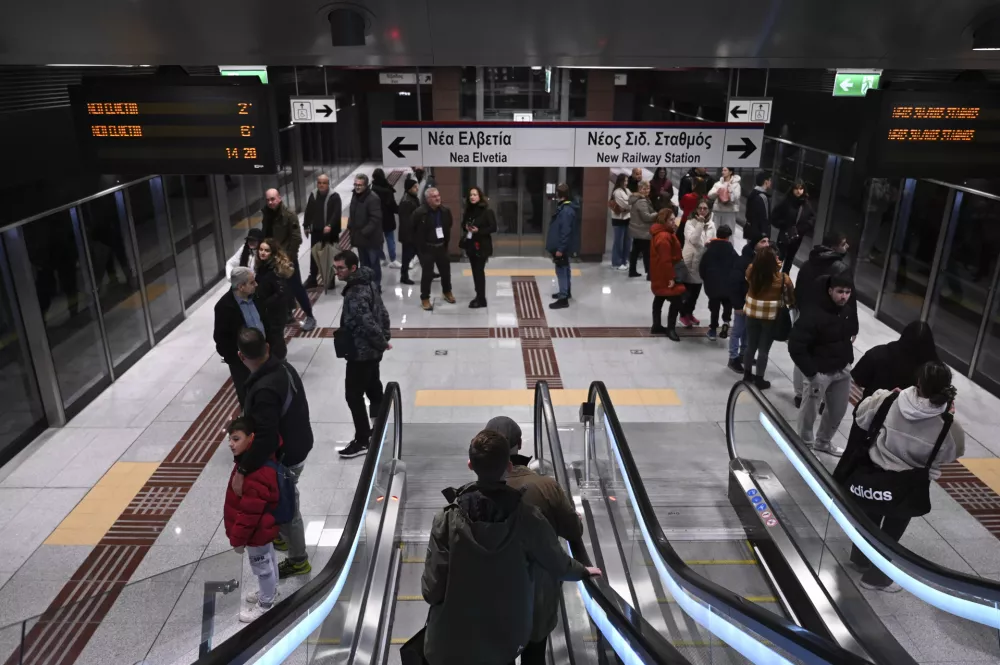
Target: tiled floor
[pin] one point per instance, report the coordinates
(66, 500)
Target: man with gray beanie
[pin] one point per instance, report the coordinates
(543, 493)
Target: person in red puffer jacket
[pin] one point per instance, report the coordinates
(249, 522)
(665, 283)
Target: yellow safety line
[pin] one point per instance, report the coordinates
(408, 598)
(412, 560)
(333, 641)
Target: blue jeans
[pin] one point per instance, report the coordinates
(621, 245)
(390, 243)
(370, 258)
(563, 274)
(738, 336)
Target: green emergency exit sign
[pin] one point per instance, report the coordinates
(855, 83)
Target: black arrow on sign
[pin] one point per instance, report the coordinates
(748, 148)
(737, 112)
(325, 110)
(397, 147)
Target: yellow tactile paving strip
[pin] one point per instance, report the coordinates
(521, 272)
(986, 469)
(94, 515)
(526, 397)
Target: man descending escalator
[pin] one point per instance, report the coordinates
(544, 493)
(484, 545)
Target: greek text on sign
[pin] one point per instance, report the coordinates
(571, 144)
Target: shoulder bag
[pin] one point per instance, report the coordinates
(902, 494)
(783, 320)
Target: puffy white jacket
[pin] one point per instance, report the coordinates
(621, 198)
(735, 190)
(697, 235)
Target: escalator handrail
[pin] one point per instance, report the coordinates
(948, 579)
(242, 646)
(632, 626)
(780, 631)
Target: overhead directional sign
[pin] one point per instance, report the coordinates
(404, 78)
(314, 109)
(571, 144)
(855, 83)
(756, 111)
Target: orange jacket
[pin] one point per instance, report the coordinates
(665, 252)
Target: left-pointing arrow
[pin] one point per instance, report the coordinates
(397, 147)
(737, 112)
(748, 148)
(325, 110)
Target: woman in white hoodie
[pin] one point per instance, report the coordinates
(699, 230)
(906, 441)
(726, 195)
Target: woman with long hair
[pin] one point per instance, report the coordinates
(725, 194)
(794, 218)
(661, 190)
(272, 269)
(641, 219)
(769, 290)
(698, 232)
(478, 226)
(620, 215)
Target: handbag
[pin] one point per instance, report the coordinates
(783, 319)
(724, 195)
(681, 273)
(412, 651)
(901, 494)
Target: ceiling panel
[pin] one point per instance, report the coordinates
(918, 34)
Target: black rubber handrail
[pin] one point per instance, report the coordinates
(945, 578)
(242, 646)
(646, 641)
(786, 635)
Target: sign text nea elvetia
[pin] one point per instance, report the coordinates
(472, 138)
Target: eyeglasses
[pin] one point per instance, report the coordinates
(340, 268)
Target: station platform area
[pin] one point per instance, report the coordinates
(116, 519)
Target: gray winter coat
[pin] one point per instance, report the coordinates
(642, 217)
(365, 220)
(364, 316)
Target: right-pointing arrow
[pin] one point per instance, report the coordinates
(846, 84)
(737, 112)
(748, 147)
(397, 147)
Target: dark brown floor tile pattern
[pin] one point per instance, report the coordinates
(978, 498)
(536, 338)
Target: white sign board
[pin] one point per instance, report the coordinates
(570, 144)
(404, 78)
(314, 109)
(621, 79)
(757, 111)
(523, 117)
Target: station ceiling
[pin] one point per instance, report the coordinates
(916, 34)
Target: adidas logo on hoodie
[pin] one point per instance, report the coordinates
(877, 495)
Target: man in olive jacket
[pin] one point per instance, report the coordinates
(544, 493)
(481, 559)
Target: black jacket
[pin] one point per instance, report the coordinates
(365, 220)
(821, 338)
(364, 316)
(758, 213)
(423, 222)
(822, 262)
(268, 390)
(229, 321)
(716, 268)
(271, 296)
(482, 217)
(314, 220)
(692, 182)
(387, 197)
(793, 212)
(407, 206)
(738, 285)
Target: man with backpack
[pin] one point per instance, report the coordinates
(276, 401)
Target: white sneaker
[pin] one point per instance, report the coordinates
(253, 612)
(828, 448)
(622, 267)
(251, 597)
(413, 263)
(892, 588)
(396, 264)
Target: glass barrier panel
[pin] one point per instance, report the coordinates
(156, 254)
(238, 211)
(58, 257)
(869, 253)
(206, 230)
(185, 248)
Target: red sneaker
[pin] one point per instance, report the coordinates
(686, 321)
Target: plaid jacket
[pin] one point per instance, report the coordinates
(767, 307)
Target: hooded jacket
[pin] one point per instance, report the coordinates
(822, 262)
(821, 338)
(665, 252)
(794, 211)
(286, 437)
(478, 575)
(642, 216)
(560, 237)
(894, 365)
(758, 213)
(387, 198)
(735, 191)
(911, 429)
(716, 267)
(248, 519)
(621, 197)
(283, 225)
(364, 315)
(697, 234)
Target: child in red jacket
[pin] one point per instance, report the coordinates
(249, 522)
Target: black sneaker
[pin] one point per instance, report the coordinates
(353, 449)
(724, 331)
(562, 303)
(407, 280)
(558, 296)
(797, 401)
(736, 365)
(672, 335)
(476, 304)
(761, 383)
(289, 568)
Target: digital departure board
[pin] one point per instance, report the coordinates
(930, 134)
(129, 126)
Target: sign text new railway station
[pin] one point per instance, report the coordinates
(571, 144)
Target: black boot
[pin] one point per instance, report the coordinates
(672, 335)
